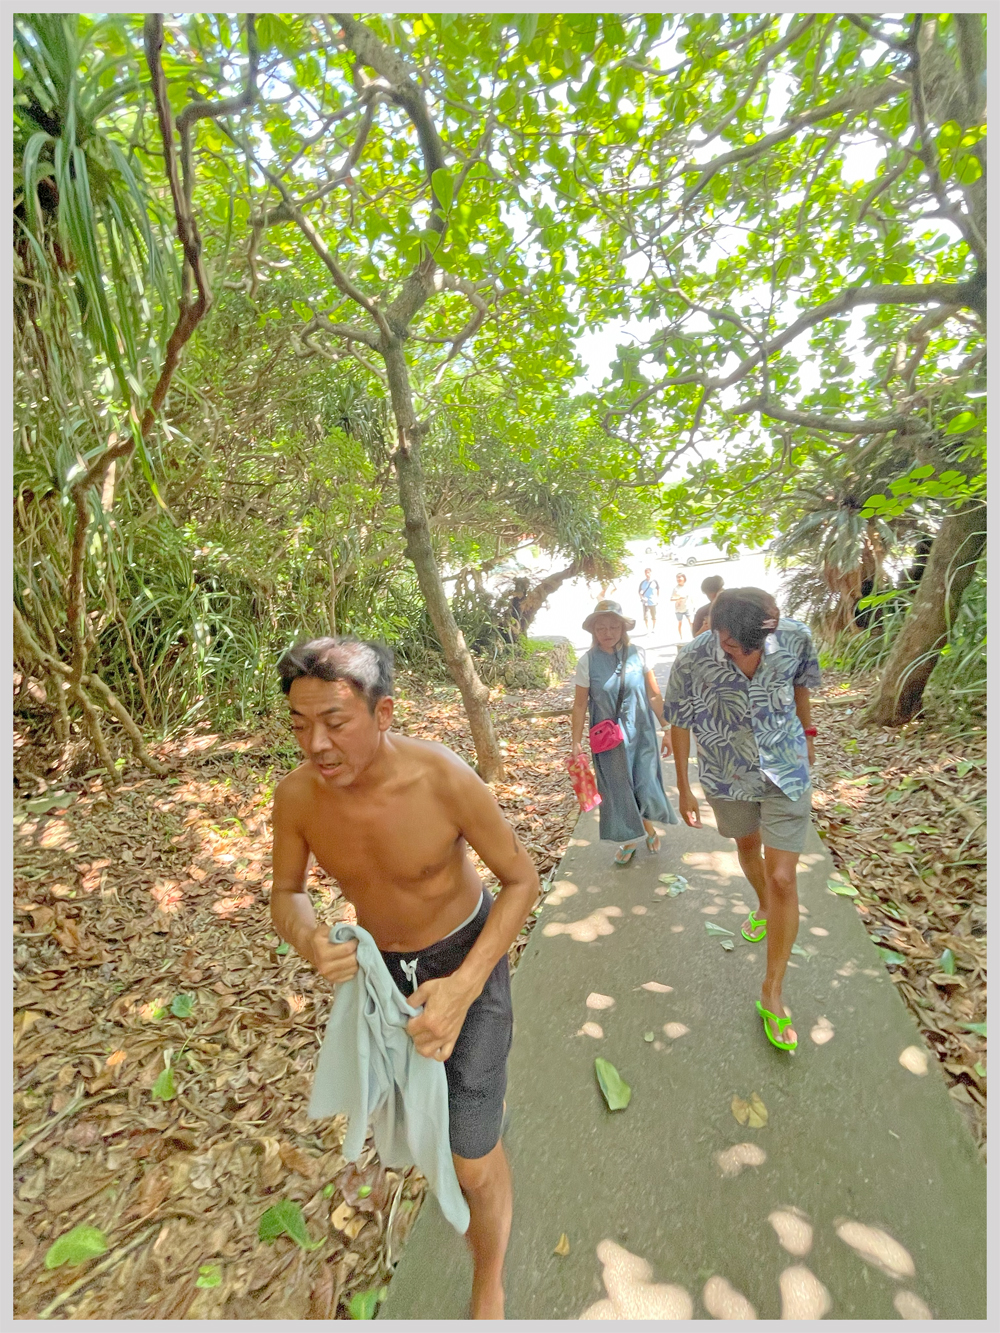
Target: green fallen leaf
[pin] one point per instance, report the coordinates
(980, 1068)
(328, 1190)
(648, 1036)
(838, 886)
(978, 1028)
(728, 945)
(714, 929)
(209, 1275)
(76, 1247)
(903, 847)
(890, 955)
(164, 1088)
(617, 1092)
(285, 1219)
(947, 961)
(363, 1304)
(364, 1191)
(802, 953)
(282, 949)
(182, 1006)
(43, 804)
(676, 883)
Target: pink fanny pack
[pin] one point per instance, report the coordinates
(605, 736)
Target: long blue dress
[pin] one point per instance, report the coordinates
(628, 777)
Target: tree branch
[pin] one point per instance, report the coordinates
(854, 102)
(971, 294)
(769, 53)
(340, 278)
(835, 425)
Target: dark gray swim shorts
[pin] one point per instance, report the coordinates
(477, 1067)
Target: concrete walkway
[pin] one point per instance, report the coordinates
(862, 1196)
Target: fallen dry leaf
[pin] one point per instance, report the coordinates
(752, 1113)
(562, 1245)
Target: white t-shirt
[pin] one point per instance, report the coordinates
(582, 673)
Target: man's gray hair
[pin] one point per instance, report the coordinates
(362, 663)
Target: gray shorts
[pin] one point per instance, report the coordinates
(783, 823)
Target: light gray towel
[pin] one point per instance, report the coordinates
(369, 1070)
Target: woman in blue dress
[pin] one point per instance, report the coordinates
(628, 776)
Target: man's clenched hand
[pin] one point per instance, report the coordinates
(334, 962)
(445, 1001)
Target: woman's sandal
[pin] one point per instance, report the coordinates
(625, 855)
(653, 843)
(780, 1024)
(758, 929)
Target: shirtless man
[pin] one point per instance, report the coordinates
(390, 818)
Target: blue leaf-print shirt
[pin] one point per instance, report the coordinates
(747, 730)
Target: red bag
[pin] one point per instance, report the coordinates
(608, 735)
(584, 783)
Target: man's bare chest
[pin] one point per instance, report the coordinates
(407, 839)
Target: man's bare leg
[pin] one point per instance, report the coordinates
(485, 1182)
(782, 926)
(751, 855)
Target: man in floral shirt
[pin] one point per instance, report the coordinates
(743, 690)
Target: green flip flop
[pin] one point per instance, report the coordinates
(780, 1024)
(625, 855)
(758, 929)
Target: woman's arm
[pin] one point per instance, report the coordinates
(580, 700)
(656, 703)
(654, 696)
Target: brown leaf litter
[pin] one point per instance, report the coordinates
(902, 812)
(123, 902)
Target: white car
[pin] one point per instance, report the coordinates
(695, 548)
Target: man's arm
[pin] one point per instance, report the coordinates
(291, 908)
(806, 678)
(804, 710)
(446, 1000)
(680, 739)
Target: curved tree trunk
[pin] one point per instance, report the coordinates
(524, 609)
(409, 473)
(950, 566)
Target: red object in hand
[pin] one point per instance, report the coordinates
(584, 783)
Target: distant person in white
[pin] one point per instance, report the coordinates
(679, 597)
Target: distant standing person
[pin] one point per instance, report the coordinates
(649, 595)
(679, 598)
(613, 679)
(743, 689)
(711, 587)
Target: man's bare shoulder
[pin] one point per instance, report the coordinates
(294, 789)
(431, 761)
